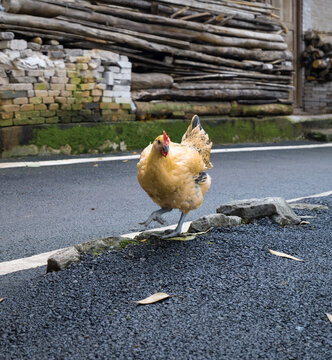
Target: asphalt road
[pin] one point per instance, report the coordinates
(47, 208)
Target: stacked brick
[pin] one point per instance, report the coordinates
(47, 84)
(317, 97)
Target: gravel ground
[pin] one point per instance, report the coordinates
(232, 299)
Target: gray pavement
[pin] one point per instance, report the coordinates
(47, 208)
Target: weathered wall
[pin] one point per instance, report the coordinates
(317, 96)
(47, 84)
(317, 15)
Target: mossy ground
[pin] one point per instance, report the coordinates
(137, 135)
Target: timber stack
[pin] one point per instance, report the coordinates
(204, 51)
(317, 56)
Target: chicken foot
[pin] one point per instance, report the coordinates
(178, 229)
(155, 216)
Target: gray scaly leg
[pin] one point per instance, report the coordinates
(178, 229)
(156, 216)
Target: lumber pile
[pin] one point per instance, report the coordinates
(181, 50)
(317, 56)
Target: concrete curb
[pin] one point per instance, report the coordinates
(65, 257)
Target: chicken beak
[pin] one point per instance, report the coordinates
(164, 150)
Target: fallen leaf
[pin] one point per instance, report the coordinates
(329, 316)
(277, 253)
(143, 240)
(124, 160)
(304, 222)
(153, 298)
(135, 152)
(183, 238)
(2, 299)
(95, 165)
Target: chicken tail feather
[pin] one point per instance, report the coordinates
(197, 138)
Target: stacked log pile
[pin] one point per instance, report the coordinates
(317, 56)
(204, 50)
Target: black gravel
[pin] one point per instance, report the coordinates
(232, 299)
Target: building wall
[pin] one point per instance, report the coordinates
(317, 96)
(317, 15)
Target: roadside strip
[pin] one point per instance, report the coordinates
(35, 261)
(7, 165)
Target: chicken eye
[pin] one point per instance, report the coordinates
(159, 142)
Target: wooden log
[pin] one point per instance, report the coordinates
(263, 109)
(151, 81)
(48, 10)
(223, 95)
(163, 110)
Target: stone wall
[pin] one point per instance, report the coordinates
(317, 15)
(47, 84)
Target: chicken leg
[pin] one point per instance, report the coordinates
(178, 229)
(156, 216)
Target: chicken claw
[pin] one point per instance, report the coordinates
(177, 231)
(155, 216)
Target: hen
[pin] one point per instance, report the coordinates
(173, 175)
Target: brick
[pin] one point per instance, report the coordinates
(107, 99)
(22, 87)
(48, 99)
(29, 121)
(121, 88)
(86, 99)
(89, 86)
(113, 69)
(96, 92)
(4, 80)
(96, 99)
(40, 107)
(12, 54)
(124, 64)
(125, 106)
(71, 100)
(10, 108)
(54, 106)
(34, 46)
(24, 79)
(49, 72)
(59, 80)
(52, 120)
(74, 52)
(71, 87)
(54, 92)
(60, 73)
(11, 94)
(36, 100)
(67, 107)
(6, 101)
(60, 100)
(47, 113)
(6, 116)
(74, 81)
(17, 73)
(6, 122)
(20, 101)
(66, 93)
(72, 74)
(108, 93)
(109, 79)
(26, 53)
(104, 105)
(26, 114)
(41, 93)
(7, 35)
(101, 86)
(40, 86)
(13, 44)
(35, 72)
(57, 86)
(70, 66)
(28, 107)
(76, 106)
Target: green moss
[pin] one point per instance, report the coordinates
(125, 243)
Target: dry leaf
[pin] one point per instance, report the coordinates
(2, 299)
(124, 160)
(154, 298)
(329, 316)
(143, 240)
(277, 253)
(135, 152)
(95, 165)
(304, 222)
(183, 238)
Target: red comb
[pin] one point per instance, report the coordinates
(166, 138)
